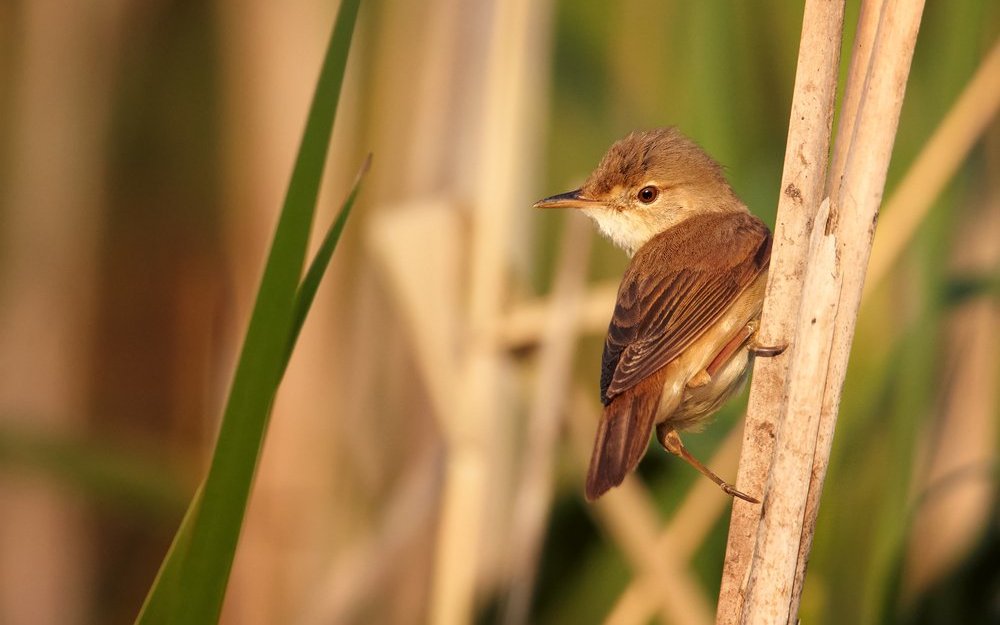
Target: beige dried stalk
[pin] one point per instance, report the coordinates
(681, 537)
(936, 164)
(628, 516)
(535, 482)
(825, 319)
(516, 43)
(854, 213)
(803, 185)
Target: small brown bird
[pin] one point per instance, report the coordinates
(682, 337)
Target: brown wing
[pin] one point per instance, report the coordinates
(676, 286)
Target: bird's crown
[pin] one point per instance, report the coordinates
(663, 155)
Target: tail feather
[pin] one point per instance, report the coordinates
(622, 437)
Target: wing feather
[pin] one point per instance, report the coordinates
(675, 288)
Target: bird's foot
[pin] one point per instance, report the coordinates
(732, 492)
(766, 351)
(671, 441)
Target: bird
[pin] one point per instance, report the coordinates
(683, 334)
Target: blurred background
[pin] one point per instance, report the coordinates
(425, 459)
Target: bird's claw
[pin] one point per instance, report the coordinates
(767, 351)
(732, 492)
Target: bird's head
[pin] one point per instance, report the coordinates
(646, 183)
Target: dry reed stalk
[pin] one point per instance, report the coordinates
(62, 59)
(427, 145)
(854, 213)
(413, 52)
(840, 249)
(861, 53)
(956, 483)
(533, 490)
(515, 38)
(775, 554)
(936, 164)
(682, 536)
(417, 248)
(803, 184)
(525, 324)
(629, 517)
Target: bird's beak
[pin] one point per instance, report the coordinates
(570, 199)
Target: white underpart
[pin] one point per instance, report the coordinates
(626, 229)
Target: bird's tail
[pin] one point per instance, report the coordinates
(622, 438)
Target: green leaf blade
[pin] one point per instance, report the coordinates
(314, 275)
(193, 577)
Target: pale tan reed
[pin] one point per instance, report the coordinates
(803, 184)
(533, 489)
(839, 249)
(629, 518)
(510, 89)
(61, 61)
(936, 164)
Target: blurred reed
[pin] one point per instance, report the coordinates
(955, 472)
(629, 517)
(534, 484)
(52, 198)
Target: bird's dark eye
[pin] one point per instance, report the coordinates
(648, 194)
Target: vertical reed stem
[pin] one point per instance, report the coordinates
(825, 317)
(803, 183)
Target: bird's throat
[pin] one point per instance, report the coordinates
(628, 230)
